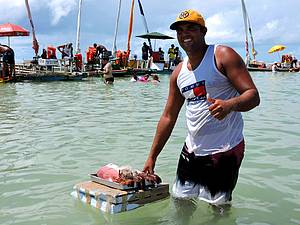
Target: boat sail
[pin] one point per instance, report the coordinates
(35, 44)
(130, 27)
(114, 48)
(248, 30)
(253, 64)
(77, 50)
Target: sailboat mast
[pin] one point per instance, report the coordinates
(78, 27)
(114, 48)
(35, 44)
(246, 31)
(145, 22)
(254, 53)
(130, 27)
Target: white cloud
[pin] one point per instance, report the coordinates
(224, 27)
(14, 6)
(271, 26)
(57, 8)
(60, 9)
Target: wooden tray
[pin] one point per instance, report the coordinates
(108, 183)
(119, 186)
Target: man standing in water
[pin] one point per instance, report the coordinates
(8, 58)
(217, 87)
(145, 54)
(107, 71)
(171, 53)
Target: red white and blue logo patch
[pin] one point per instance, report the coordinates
(195, 92)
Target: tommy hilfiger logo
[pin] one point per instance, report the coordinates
(195, 92)
(184, 14)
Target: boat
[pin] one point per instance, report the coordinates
(47, 70)
(251, 62)
(50, 76)
(5, 80)
(252, 67)
(40, 69)
(121, 64)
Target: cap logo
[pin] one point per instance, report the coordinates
(184, 15)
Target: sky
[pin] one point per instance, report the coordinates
(273, 22)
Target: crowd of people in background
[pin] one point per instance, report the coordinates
(288, 61)
(145, 78)
(174, 55)
(95, 55)
(98, 56)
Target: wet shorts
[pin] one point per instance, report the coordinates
(109, 79)
(211, 178)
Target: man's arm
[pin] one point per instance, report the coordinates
(105, 69)
(167, 121)
(233, 66)
(61, 48)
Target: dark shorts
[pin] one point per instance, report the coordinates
(216, 173)
(111, 79)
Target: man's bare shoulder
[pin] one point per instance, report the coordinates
(223, 50)
(226, 54)
(176, 71)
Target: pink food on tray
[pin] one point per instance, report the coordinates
(127, 176)
(109, 172)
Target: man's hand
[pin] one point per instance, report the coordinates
(220, 108)
(149, 166)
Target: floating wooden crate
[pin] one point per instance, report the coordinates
(112, 200)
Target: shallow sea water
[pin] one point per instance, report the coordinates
(54, 134)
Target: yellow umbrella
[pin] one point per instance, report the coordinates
(276, 48)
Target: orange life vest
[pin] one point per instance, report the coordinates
(51, 52)
(78, 61)
(90, 54)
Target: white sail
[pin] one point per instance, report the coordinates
(78, 27)
(254, 52)
(248, 29)
(114, 48)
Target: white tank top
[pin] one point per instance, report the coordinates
(206, 134)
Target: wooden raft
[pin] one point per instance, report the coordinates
(112, 200)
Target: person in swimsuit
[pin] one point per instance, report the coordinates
(107, 71)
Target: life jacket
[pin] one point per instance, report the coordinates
(51, 52)
(119, 57)
(125, 57)
(90, 54)
(78, 61)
